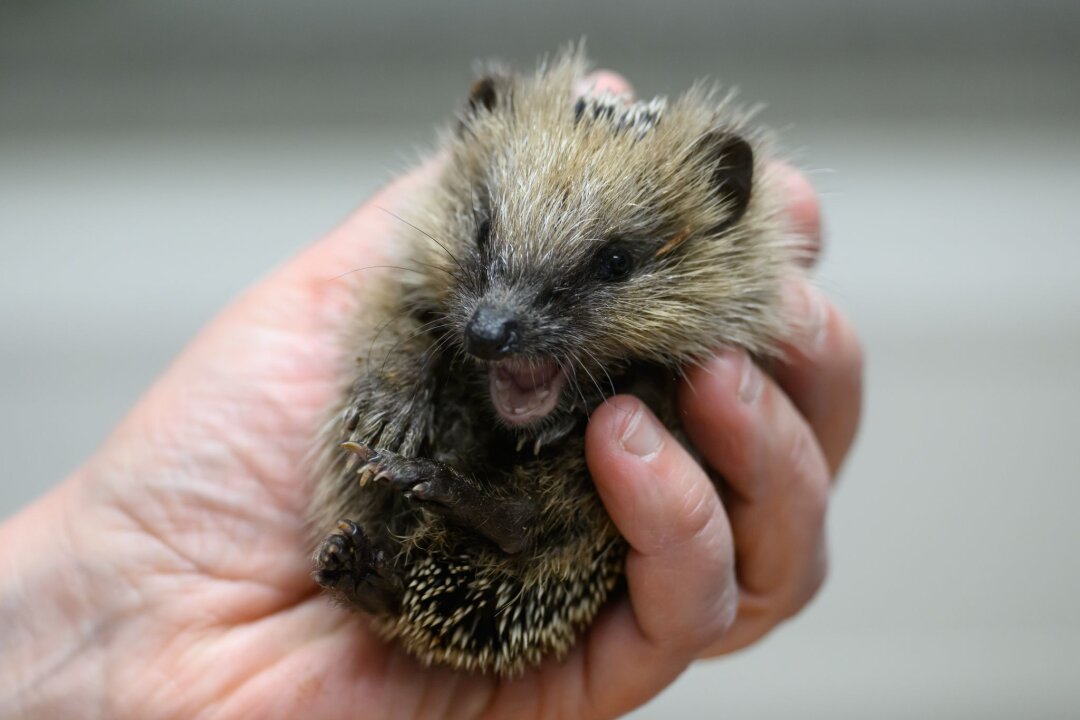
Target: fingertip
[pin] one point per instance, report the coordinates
(727, 373)
(803, 210)
(808, 315)
(822, 370)
(718, 401)
(615, 410)
(622, 442)
(608, 424)
(604, 81)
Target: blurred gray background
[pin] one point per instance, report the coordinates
(156, 158)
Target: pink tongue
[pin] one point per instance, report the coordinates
(524, 392)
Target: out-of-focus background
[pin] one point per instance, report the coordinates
(156, 158)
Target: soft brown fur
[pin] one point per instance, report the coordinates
(552, 190)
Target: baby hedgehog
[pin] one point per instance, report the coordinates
(573, 248)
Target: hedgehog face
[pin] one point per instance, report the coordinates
(532, 321)
(589, 235)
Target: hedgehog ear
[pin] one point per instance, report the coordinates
(488, 94)
(731, 164)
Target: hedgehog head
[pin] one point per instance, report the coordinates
(585, 234)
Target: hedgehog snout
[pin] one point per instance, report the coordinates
(492, 333)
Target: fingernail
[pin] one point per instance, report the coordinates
(642, 436)
(750, 381)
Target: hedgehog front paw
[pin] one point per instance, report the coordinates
(350, 569)
(423, 481)
(460, 500)
(406, 475)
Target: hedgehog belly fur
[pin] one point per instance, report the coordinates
(480, 619)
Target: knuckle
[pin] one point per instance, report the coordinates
(718, 427)
(695, 516)
(809, 470)
(725, 614)
(706, 619)
(695, 537)
(811, 485)
(809, 586)
(738, 452)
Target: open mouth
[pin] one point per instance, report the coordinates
(525, 391)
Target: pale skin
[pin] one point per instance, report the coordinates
(168, 576)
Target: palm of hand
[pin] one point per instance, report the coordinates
(218, 602)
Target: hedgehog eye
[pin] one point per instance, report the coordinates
(613, 263)
(483, 234)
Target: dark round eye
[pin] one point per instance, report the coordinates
(483, 233)
(612, 263)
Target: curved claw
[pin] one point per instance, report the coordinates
(363, 452)
(362, 455)
(348, 526)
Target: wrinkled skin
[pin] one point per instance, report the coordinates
(169, 577)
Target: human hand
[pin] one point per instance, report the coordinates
(774, 441)
(168, 576)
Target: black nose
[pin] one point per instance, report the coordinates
(491, 333)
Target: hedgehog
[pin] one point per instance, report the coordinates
(571, 249)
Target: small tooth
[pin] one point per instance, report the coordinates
(520, 410)
(543, 393)
(501, 383)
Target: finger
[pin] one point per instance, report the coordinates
(803, 211)
(680, 567)
(604, 81)
(822, 368)
(777, 487)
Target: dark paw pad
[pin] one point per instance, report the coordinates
(354, 572)
(342, 556)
